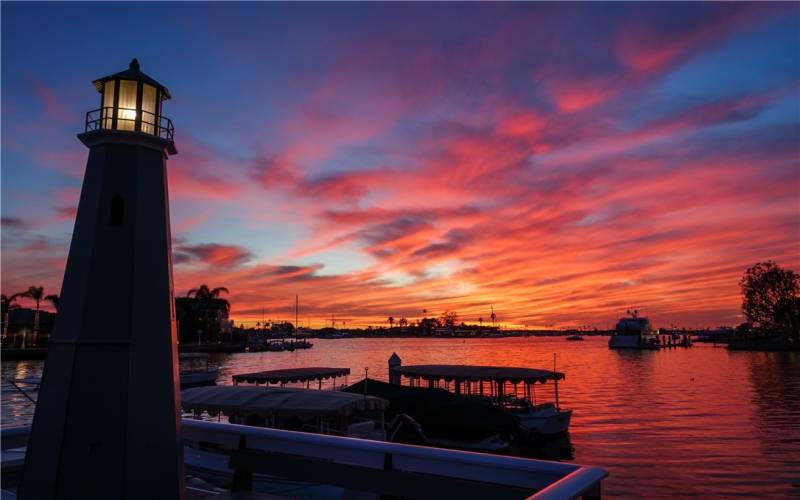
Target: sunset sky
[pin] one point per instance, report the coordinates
(559, 162)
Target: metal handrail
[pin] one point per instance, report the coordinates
(583, 483)
(161, 125)
(511, 471)
(549, 480)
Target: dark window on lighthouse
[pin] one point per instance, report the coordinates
(117, 211)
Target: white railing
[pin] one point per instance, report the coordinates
(544, 479)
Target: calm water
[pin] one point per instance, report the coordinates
(684, 422)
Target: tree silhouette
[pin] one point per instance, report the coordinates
(54, 300)
(200, 310)
(35, 293)
(391, 321)
(8, 304)
(449, 318)
(771, 298)
(204, 293)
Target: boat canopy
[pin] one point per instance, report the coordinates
(291, 375)
(275, 401)
(475, 373)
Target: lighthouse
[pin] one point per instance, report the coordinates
(107, 421)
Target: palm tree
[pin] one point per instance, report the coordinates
(54, 300)
(403, 322)
(203, 292)
(207, 298)
(480, 322)
(391, 321)
(35, 293)
(7, 304)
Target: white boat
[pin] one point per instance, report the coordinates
(195, 369)
(545, 419)
(634, 332)
(302, 344)
(307, 410)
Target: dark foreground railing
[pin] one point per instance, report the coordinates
(389, 469)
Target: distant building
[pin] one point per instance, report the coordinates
(24, 318)
(20, 331)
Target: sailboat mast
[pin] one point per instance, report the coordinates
(296, 309)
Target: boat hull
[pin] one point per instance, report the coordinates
(631, 342)
(546, 423)
(199, 378)
(492, 443)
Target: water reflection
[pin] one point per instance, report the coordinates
(677, 422)
(552, 448)
(775, 377)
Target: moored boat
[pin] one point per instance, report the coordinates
(436, 417)
(303, 344)
(196, 370)
(276, 346)
(306, 410)
(634, 332)
(498, 385)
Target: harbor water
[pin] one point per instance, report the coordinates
(702, 421)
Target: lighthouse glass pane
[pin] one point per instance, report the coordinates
(148, 109)
(126, 114)
(108, 103)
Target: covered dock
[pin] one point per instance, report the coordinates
(293, 375)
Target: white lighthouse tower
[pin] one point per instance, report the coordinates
(107, 422)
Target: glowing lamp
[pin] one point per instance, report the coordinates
(130, 101)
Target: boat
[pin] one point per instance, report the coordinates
(436, 417)
(634, 332)
(302, 344)
(196, 370)
(276, 346)
(544, 419)
(298, 343)
(498, 385)
(575, 337)
(306, 410)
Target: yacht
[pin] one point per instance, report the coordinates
(634, 332)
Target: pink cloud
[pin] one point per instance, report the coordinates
(211, 254)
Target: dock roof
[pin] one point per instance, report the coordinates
(268, 401)
(291, 375)
(475, 373)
